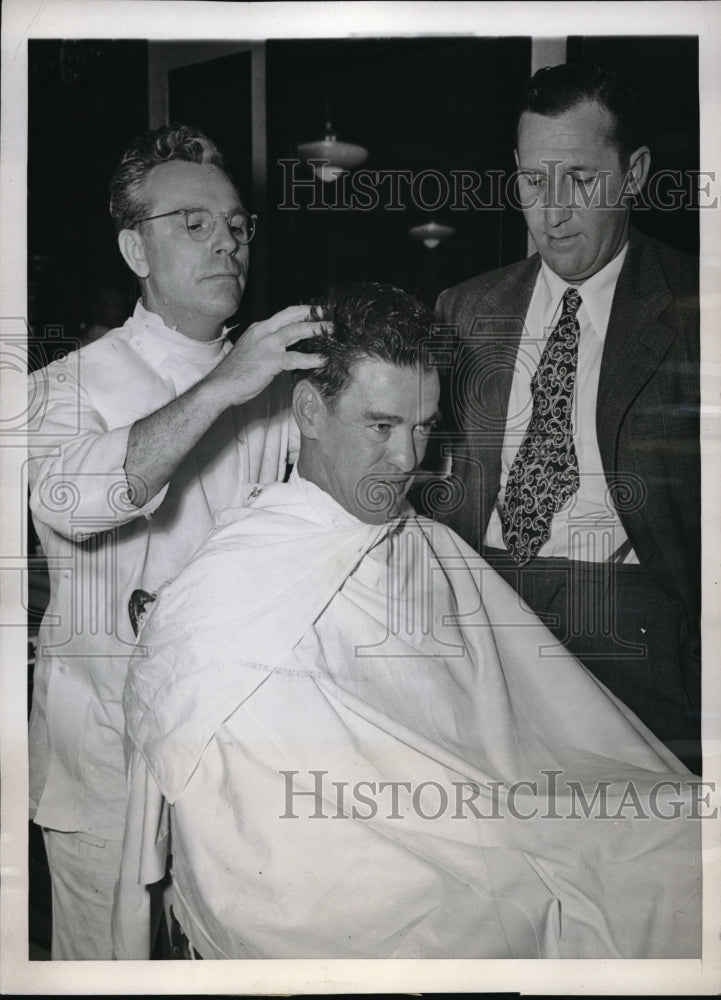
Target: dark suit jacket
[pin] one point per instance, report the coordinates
(647, 415)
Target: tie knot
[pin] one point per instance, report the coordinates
(571, 301)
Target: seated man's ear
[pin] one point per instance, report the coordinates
(132, 248)
(309, 409)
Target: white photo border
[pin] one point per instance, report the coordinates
(160, 19)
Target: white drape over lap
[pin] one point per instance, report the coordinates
(300, 642)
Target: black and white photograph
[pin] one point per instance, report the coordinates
(360, 440)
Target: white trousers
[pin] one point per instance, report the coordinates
(83, 871)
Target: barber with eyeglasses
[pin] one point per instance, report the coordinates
(143, 436)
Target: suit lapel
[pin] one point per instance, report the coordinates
(495, 329)
(511, 294)
(636, 341)
(491, 324)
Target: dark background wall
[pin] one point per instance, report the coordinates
(419, 104)
(86, 102)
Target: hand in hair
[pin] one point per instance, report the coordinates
(263, 352)
(158, 443)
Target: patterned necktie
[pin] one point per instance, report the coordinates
(544, 474)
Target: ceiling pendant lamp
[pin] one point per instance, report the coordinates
(431, 233)
(336, 157)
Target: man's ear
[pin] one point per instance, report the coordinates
(639, 164)
(132, 247)
(309, 409)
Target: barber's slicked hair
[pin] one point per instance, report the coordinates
(162, 145)
(556, 89)
(370, 320)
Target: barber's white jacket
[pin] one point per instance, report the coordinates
(100, 548)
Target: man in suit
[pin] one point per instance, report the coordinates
(575, 407)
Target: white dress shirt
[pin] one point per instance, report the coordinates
(587, 528)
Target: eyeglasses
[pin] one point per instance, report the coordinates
(201, 223)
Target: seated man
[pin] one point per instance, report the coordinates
(354, 732)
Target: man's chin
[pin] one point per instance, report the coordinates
(226, 300)
(384, 501)
(382, 516)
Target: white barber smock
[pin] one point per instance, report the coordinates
(100, 548)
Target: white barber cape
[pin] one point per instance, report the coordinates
(366, 746)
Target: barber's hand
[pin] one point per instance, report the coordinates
(261, 354)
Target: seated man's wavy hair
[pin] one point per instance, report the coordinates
(370, 320)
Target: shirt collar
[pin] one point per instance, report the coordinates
(188, 345)
(596, 291)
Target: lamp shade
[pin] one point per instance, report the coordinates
(338, 157)
(431, 233)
